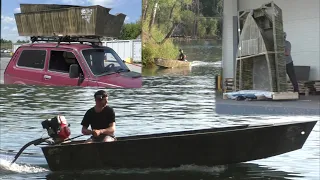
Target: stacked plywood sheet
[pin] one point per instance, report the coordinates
(260, 57)
(303, 86)
(306, 86)
(317, 86)
(228, 85)
(67, 20)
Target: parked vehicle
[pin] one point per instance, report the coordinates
(69, 64)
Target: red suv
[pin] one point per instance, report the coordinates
(69, 64)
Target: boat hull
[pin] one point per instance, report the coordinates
(218, 146)
(168, 63)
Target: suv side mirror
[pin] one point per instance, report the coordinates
(74, 71)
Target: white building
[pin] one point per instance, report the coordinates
(300, 22)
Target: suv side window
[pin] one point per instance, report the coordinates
(32, 59)
(60, 61)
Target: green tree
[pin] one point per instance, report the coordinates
(131, 31)
(211, 8)
(167, 15)
(6, 44)
(184, 17)
(5, 41)
(22, 41)
(156, 43)
(161, 18)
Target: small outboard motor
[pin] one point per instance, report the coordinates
(57, 128)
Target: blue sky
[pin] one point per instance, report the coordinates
(132, 8)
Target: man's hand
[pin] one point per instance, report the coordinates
(286, 53)
(86, 131)
(96, 132)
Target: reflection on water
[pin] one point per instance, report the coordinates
(241, 171)
(201, 50)
(164, 104)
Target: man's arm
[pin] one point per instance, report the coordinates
(85, 124)
(110, 130)
(287, 49)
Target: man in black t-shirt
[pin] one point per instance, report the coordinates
(101, 118)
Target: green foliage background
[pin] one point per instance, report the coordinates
(8, 44)
(195, 18)
(131, 30)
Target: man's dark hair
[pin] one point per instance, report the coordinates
(100, 94)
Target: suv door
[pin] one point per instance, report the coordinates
(27, 68)
(57, 71)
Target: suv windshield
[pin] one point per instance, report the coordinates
(104, 61)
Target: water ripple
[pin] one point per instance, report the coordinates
(164, 104)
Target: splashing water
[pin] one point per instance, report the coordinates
(202, 63)
(19, 168)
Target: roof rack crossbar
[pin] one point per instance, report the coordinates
(69, 39)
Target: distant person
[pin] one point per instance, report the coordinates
(182, 57)
(289, 65)
(101, 118)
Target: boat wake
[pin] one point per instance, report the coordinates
(184, 168)
(202, 63)
(141, 173)
(195, 168)
(5, 167)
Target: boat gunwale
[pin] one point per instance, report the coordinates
(185, 133)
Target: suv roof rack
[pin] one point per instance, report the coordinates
(94, 40)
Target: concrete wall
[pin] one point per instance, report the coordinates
(228, 51)
(300, 21)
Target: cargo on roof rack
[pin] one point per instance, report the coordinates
(27, 8)
(67, 20)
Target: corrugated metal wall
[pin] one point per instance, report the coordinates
(15, 47)
(126, 48)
